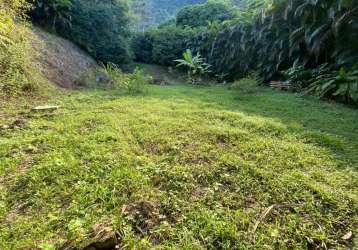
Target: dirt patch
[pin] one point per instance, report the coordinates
(18, 123)
(59, 60)
(105, 239)
(143, 215)
(102, 237)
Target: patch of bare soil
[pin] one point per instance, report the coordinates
(144, 215)
(59, 60)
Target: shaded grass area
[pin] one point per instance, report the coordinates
(182, 168)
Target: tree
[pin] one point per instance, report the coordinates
(52, 13)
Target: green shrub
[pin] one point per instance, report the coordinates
(134, 83)
(298, 76)
(52, 13)
(142, 45)
(269, 36)
(102, 28)
(341, 85)
(137, 82)
(245, 85)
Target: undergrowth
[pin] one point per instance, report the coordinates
(17, 74)
(132, 83)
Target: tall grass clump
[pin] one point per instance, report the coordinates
(133, 83)
(16, 74)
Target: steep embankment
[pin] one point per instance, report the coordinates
(59, 60)
(52, 63)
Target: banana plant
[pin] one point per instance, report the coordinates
(195, 64)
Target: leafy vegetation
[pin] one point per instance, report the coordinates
(161, 46)
(134, 83)
(195, 65)
(311, 32)
(325, 82)
(52, 13)
(247, 85)
(184, 167)
(342, 85)
(298, 76)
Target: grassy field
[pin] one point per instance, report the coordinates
(181, 167)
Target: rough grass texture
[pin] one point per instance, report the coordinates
(181, 168)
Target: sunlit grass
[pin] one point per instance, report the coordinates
(184, 168)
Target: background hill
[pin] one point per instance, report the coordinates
(153, 12)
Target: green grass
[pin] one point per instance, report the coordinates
(182, 168)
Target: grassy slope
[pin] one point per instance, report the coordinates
(183, 167)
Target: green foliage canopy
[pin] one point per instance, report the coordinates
(198, 15)
(161, 46)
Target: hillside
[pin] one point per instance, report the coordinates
(59, 60)
(155, 12)
(56, 63)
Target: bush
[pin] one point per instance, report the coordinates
(269, 36)
(245, 85)
(195, 66)
(341, 85)
(102, 28)
(137, 82)
(134, 83)
(52, 13)
(142, 46)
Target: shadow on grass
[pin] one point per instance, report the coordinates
(330, 125)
